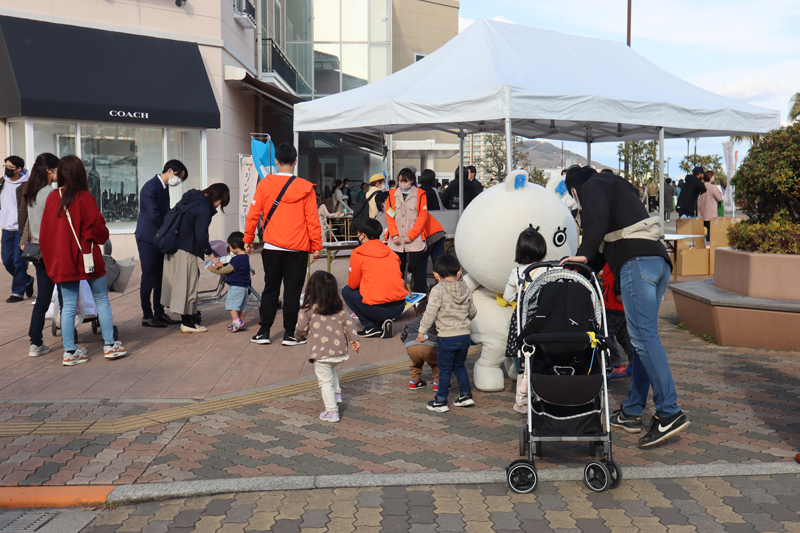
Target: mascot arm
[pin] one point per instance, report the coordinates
(471, 283)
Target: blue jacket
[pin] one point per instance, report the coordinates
(153, 206)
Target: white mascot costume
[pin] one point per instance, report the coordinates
(486, 240)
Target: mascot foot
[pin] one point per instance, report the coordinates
(488, 379)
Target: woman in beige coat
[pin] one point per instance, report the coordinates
(707, 203)
(406, 215)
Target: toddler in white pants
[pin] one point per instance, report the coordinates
(332, 332)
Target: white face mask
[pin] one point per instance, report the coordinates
(174, 181)
(54, 185)
(405, 187)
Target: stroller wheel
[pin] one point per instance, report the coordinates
(54, 329)
(522, 477)
(116, 333)
(523, 441)
(95, 324)
(594, 447)
(596, 476)
(616, 473)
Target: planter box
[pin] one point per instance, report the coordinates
(768, 276)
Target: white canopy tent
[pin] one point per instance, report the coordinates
(500, 77)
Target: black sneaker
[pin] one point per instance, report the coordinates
(464, 401)
(14, 298)
(387, 331)
(289, 340)
(262, 337)
(631, 424)
(372, 331)
(439, 407)
(664, 428)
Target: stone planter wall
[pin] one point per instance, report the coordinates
(770, 276)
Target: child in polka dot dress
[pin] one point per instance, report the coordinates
(332, 332)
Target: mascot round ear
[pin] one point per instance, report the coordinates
(516, 180)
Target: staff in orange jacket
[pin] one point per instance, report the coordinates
(406, 216)
(290, 235)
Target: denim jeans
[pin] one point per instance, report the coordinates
(643, 281)
(44, 293)
(451, 354)
(369, 315)
(14, 263)
(69, 293)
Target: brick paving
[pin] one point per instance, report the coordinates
(705, 505)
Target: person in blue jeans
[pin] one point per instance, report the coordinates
(451, 308)
(12, 184)
(641, 266)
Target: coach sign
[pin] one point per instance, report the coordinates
(105, 89)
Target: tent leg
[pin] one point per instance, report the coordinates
(661, 178)
(509, 148)
(460, 172)
(589, 154)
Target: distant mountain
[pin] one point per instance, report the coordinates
(543, 154)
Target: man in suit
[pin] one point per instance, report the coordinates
(153, 206)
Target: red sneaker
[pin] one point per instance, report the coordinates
(435, 387)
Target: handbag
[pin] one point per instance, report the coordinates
(32, 253)
(88, 259)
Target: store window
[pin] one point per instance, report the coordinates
(58, 138)
(119, 160)
(16, 139)
(186, 146)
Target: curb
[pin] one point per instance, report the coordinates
(131, 494)
(66, 496)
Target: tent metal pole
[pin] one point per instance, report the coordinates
(661, 178)
(460, 172)
(509, 138)
(588, 153)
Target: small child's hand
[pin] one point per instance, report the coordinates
(356, 346)
(420, 337)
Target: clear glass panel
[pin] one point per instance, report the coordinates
(301, 56)
(119, 160)
(298, 20)
(16, 138)
(278, 25)
(327, 65)
(355, 66)
(354, 168)
(379, 20)
(355, 22)
(379, 65)
(186, 146)
(326, 20)
(376, 164)
(265, 27)
(58, 138)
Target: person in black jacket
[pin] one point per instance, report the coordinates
(642, 267)
(427, 182)
(153, 206)
(181, 273)
(692, 187)
(472, 187)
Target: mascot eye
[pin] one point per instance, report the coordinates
(560, 237)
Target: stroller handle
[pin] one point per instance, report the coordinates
(545, 338)
(584, 269)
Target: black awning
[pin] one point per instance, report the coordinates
(60, 71)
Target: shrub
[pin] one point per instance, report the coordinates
(768, 181)
(777, 236)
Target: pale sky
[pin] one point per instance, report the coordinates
(743, 49)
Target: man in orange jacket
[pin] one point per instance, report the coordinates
(290, 234)
(374, 290)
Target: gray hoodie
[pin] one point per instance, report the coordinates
(450, 306)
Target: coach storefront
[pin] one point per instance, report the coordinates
(123, 103)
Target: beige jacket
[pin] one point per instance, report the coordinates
(408, 221)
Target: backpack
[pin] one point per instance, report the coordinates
(361, 209)
(166, 238)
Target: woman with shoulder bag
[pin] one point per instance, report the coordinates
(72, 250)
(31, 209)
(181, 272)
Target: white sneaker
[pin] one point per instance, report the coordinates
(72, 359)
(114, 351)
(36, 351)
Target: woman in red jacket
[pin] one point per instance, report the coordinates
(73, 231)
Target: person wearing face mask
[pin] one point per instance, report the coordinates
(10, 199)
(181, 273)
(153, 206)
(406, 217)
(41, 183)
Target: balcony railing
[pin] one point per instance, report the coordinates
(245, 14)
(274, 61)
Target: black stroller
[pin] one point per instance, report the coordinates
(561, 325)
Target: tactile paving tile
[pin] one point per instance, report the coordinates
(23, 520)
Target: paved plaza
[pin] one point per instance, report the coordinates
(194, 412)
